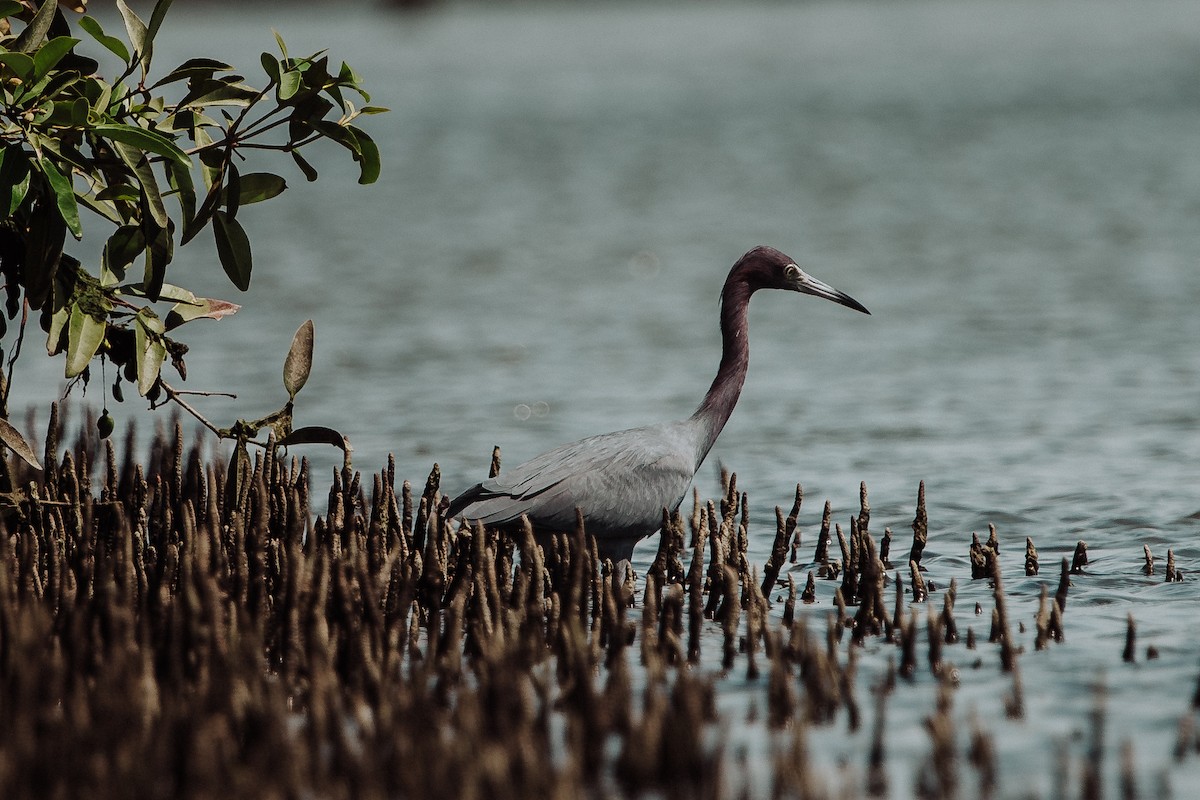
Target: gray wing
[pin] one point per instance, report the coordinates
(621, 481)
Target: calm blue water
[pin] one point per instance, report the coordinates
(1012, 188)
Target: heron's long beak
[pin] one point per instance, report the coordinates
(807, 284)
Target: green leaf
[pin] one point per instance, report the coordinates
(19, 191)
(21, 65)
(270, 65)
(309, 172)
(361, 146)
(43, 251)
(210, 64)
(14, 178)
(159, 252)
(16, 442)
(100, 94)
(64, 196)
(119, 191)
(79, 112)
(84, 335)
(122, 248)
(342, 134)
(259, 186)
(156, 18)
(233, 248)
(233, 191)
(199, 308)
(289, 83)
(299, 360)
(136, 29)
(373, 110)
(75, 61)
(367, 157)
(52, 84)
(214, 92)
(347, 75)
(59, 317)
(65, 114)
(202, 68)
(208, 173)
(315, 434)
(49, 54)
(207, 207)
(114, 45)
(279, 41)
(143, 139)
(58, 322)
(149, 349)
(169, 292)
(256, 187)
(180, 180)
(10, 8)
(313, 107)
(105, 208)
(66, 153)
(136, 161)
(31, 38)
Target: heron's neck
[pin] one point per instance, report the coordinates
(722, 396)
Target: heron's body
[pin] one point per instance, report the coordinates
(622, 481)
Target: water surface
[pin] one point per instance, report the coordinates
(1012, 188)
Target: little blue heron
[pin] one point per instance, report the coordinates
(622, 481)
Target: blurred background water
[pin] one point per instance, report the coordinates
(1012, 188)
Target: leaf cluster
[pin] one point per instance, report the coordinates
(153, 162)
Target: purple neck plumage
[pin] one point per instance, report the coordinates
(722, 396)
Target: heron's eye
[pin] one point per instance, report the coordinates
(791, 272)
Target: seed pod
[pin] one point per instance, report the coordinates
(105, 425)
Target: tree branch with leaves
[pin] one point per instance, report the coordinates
(154, 162)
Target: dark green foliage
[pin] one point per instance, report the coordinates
(148, 163)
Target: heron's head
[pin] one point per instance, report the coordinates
(767, 268)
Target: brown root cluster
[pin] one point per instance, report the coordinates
(182, 630)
